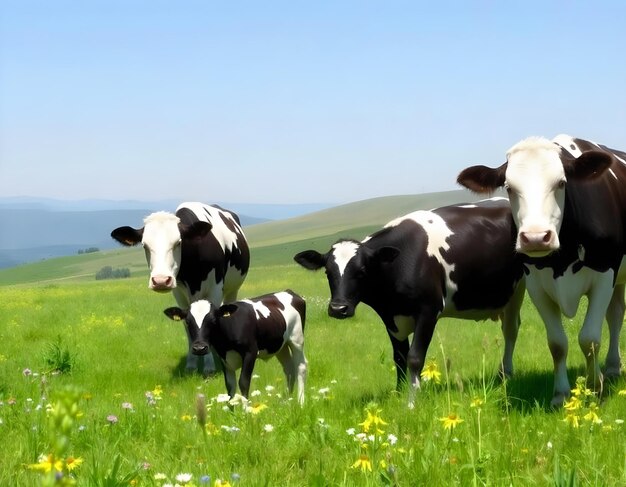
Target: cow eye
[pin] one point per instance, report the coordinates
(507, 188)
(561, 184)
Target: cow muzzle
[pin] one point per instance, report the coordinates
(200, 348)
(161, 283)
(340, 310)
(537, 243)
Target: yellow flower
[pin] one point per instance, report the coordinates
(158, 390)
(373, 419)
(574, 403)
(572, 420)
(364, 463)
(72, 462)
(221, 483)
(186, 417)
(451, 421)
(592, 415)
(256, 408)
(477, 402)
(46, 464)
(622, 392)
(431, 372)
(581, 389)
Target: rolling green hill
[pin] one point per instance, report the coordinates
(271, 243)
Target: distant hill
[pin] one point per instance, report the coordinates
(272, 242)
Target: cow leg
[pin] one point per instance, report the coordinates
(510, 327)
(300, 367)
(590, 334)
(424, 328)
(230, 379)
(614, 317)
(284, 357)
(209, 367)
(400, 352)
(557, 339)
(247, 368)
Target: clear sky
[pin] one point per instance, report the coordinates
(294, 102)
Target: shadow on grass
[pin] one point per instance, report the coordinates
(181, 371)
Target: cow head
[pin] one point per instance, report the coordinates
(199, 321)
(349, 267)
(162, 237)
(535, 177)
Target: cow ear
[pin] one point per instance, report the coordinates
(128, 236)
(195, 230)
(227, 309)
(387, 254)
(175, 313)
(482, 179)
(310, 259)
(589, 165)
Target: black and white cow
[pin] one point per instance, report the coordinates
(455, 261)
(265, 326)
(200, 252)
(568, 198)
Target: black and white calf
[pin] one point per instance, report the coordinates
(200, 252)
(568, 198)
(455, 261)
(265, 326)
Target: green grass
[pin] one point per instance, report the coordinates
(119, 346)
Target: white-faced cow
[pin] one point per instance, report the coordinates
(568, 198)
(455, 261)
(264, 327)
(200, 252)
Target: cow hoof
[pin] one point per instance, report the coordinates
(559, 399)
(612, 372)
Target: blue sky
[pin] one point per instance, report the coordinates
(294, 102)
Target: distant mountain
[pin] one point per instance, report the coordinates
(33, 228)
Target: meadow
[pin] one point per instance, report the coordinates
(93, 393)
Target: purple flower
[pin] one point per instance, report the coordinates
(127, 405)
(112, 419)
(205, 479)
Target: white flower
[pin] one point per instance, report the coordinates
(392, 439)
(184, 477)
(255, 376)
(361, 436)
(222, 398)
(238, 399)
(268, 428)
(549, 445)
(160, 476)
(350, 431)
(619, 421)
(269, 388)
(324, 390)
(334, 381)
(255, 393)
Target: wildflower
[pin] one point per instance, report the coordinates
(364, 463)
(127, 405)
(26, 372)
(256, 408)
(72, 462)
(350, 431)
(392, 439)
(269, 388)
(549, 445)
(47, 463)
(222, 398)
(238, 399)
(619, 421)
(373, 419)
(324, 390)
(622, 392)
(592, 415)
(235, 477)
(222, 483)
(451, 421)
(186, 417)
(477, 402)
(184, 478)
(205, 479)
(112, 419)
(573, 404)
(160, 476)
(268, 428)
(572, 419)
(431, 372)
(255, 393)
(157, 391)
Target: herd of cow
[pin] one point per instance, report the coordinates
(561, 235)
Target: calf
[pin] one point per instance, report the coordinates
(200, 252)
(568, 197)
(456, 261)
(265, 326)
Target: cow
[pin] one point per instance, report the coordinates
(454, 261)
(198, 252)
(568, 198)
(264, 327)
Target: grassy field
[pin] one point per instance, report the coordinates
(123, 412)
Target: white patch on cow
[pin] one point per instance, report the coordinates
(224, 235)
(293, 331)
(343, 252)
(259, 308)
(567, 142)
(467, 206)
(199, 309)
(619, 158)
(612, 173)
(438, 234)
(161, 241)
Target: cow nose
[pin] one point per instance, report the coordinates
(338, 310)
(199, 349)
(536, 239)
(161, 282)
